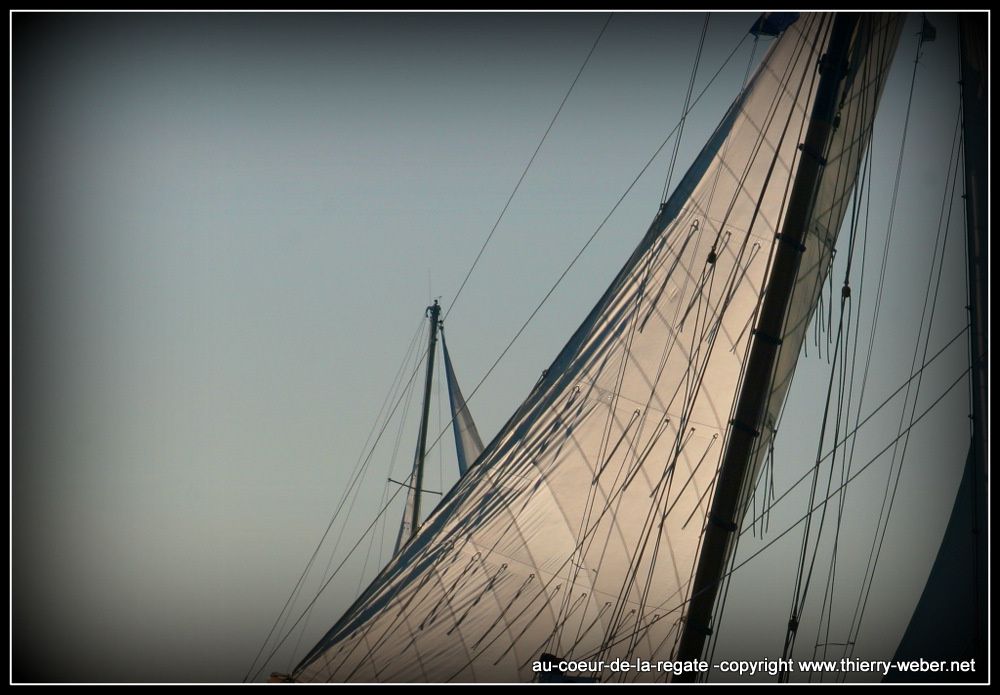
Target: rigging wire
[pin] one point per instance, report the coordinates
(333, 518)
(849, 435)
(977, 558)
(873, 560)
(354, 481)
(350, 552)
(952, 158)
(885, 251)
(531, 160)
(454, 300)
(440, 376)
(803, 579)
(684, 110)
(863, 468)
(409, 391)
(829, 588)
(888, 239)
(371, 546)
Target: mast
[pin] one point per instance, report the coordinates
(972, 43)
(432, 313)
(411, 514)
(974, 66)
(745, 426)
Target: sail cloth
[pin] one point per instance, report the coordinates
(949, 624)
(405, 526)
(468, 444)
(577, 531)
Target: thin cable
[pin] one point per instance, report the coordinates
(684, 110)
(857, 427)
(829, 590)
(899, 470)
(340, 536)
(357, 471)
(804, 577)
(327, 583)
(524, 173)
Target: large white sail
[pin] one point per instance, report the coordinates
(577, 531)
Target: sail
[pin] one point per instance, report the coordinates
(406, 525)
(948, 623)
(577, 532)
(468, 444)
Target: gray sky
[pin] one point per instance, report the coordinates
(226, 228)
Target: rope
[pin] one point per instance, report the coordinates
(803, 579)
(856, 625)
(857, 427)
(788, 530)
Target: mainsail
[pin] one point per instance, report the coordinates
(578, 531)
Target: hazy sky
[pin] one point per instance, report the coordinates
(226, 228)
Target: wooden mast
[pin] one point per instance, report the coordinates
(745, 427)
